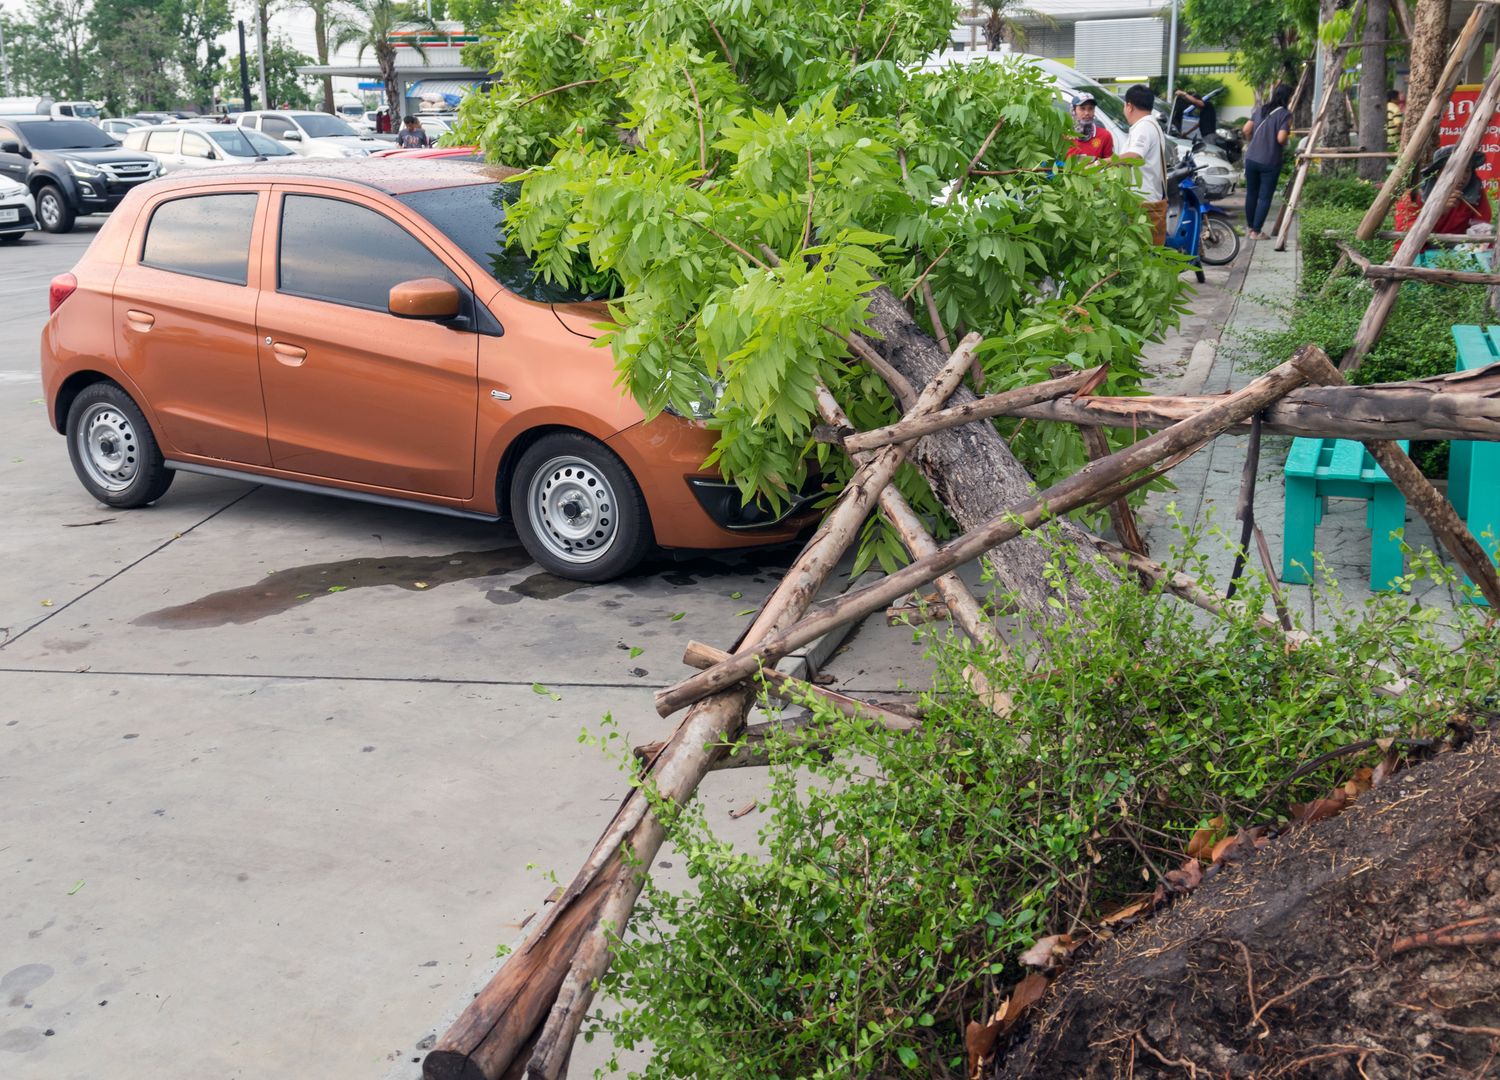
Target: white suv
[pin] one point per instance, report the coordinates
(311, 134)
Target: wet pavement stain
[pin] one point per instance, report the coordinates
(286, 589)
(545, 586)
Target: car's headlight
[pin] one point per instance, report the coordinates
(85, 170)
(706, 403)
(9, 189)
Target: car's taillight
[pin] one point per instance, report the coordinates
(62, 287)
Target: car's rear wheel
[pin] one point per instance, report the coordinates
(578, 510)
(113, 450)
(52, 210)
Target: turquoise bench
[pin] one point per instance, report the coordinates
(1320, 469)
(1474, 467)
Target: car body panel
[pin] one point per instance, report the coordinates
(411, 410)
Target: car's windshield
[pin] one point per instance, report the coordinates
(65, 135)
(473, 217)
(85, 110)
(321, 125)
(266, 146)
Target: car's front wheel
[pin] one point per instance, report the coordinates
(577, 509)
(52, 210)
(113, 450)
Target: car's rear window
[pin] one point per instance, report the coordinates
(205, 236)
(473, 217)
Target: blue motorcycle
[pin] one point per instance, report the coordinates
(1203, 230)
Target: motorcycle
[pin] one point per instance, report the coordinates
(1203, 230)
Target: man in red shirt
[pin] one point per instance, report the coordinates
(1466, 207)
(1090, 138)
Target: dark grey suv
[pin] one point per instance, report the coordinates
(71, 167)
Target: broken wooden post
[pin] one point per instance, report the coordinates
(1415, 146)
(1071, 493)
(1455, 405)
(1121, 516)
(1387, 290)
(1425, 499)
(1438, 275)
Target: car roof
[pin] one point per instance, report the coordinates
(393, 177)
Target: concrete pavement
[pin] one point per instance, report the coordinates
(274, 766)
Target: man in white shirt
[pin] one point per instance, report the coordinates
(1147, 146)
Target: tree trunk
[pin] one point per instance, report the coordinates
(1338, 125)
(1429, 48)
(386, 56)
(971, 469)
(1374, 79)
(320, 38)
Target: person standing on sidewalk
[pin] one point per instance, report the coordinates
(1268, 130)
(1090, 138)
(1147, 146)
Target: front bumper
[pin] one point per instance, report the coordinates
(25, 216)
(723, 502)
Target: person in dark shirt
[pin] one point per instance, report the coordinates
(412, 136)
(1268, 130)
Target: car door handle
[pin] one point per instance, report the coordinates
(290, 355)
(140, 320)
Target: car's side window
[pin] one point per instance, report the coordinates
(275, 126)
(194, 145)
(135, 140)
(206, 236)
(163, 142)
(348, 254)
(247, 121)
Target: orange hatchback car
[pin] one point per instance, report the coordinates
(358, 328)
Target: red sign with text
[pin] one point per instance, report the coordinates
(1451, 128)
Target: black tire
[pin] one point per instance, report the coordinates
(12, 238)
(113, 449)
(1198, 273)
(53, 210)
(1219, 244)
(577, 509)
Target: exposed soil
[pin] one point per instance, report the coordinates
(1283, 965)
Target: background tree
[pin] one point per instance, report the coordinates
(138, 63)
(1429, 51)
(49, 49)
(320, 10)
(368, 25)
(282, 61)
(1002, 23)
(1268, 40)
(200, 26)
(668, 143)
(1374, 81)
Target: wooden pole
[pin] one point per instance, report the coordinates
(1077, 490)
(1414, 148)
(1456, 405)
(1436, 274)
(1387, 290)
(1321, 154)
(1121, 516)
(915, 426)
(1330, 89)
(1425, 499)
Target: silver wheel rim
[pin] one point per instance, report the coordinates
(108, 447)
(1218, 241)
(573, 509)
(50, 211)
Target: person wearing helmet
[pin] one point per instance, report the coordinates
(1090, 138)
(1466, 207)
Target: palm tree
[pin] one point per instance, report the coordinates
(1003, 23)
(370, 24)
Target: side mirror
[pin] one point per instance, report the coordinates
(213, 155)
(10, 146)
(292, 136)
(424, 298)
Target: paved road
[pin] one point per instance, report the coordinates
(268, 805)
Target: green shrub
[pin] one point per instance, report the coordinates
(902, 873)
(1320, 251)
(1344, 192)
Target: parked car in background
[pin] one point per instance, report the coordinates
(311, 134)
(117, 126)
(359, 328)
(457, 153)
(17, 211)
(197, 146)
(70, 167)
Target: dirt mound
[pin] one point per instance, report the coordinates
(1309, 959)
